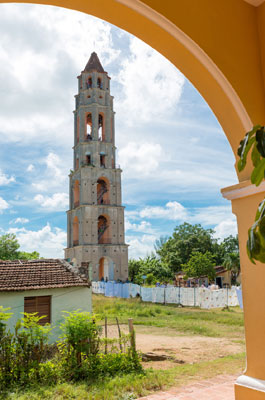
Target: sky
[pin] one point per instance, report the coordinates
(174, 154)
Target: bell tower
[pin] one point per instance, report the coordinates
(95, 220)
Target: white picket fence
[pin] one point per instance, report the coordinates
(199, 297)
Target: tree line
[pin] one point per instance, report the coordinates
(191, 249)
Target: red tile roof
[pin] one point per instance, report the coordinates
(38, 274)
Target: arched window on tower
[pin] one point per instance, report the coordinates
(102, 191)
(77, 163)
(103, 230)
(89, 127)
(75, 231)
(76, 194)
(89, 82)
(101, 127)
(99, 83)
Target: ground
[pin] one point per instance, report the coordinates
(182, 348)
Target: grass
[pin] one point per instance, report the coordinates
(194, 321)
(132, 386)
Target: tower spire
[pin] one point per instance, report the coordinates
(94, 64)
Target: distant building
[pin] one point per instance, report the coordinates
(223, 278)
(48, 287)
(95, 229)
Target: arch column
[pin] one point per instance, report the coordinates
(245, 198)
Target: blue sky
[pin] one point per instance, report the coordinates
(173, 152)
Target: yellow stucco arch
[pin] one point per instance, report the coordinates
(219, 45)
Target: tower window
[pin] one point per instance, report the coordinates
(102, 191)
(101, 127)
(99, 83)
(88, 159)
(89, 127)
(102, 161)
(76, 194)
(89, 83)
(103, 230)
(77, 163)
(75, 231)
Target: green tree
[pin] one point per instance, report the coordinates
(23, 255)
(186, 239)
(134, 266)
(227, 246)
(232, 263)
(200, 264)
(151, 267)
(9, 247)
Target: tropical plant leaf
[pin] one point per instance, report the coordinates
(255, 156)
(260, 139)
(258, 173)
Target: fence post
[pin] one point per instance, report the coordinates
(194, 296)
(164, 295)
(119, 332)
(106, 335)
(132, 333)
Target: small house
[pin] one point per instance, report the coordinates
(48, 286)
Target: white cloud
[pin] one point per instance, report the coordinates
(30, 168)
(41, 68)
(47, 241)
(142, 159)
(226, 228)
(210, 215)
(144, 226)
(172, 211)
(3, 205)
(152, 85)
(55, 175)
(5, 180)
(140, 246)
(19, 220)
(57, 202)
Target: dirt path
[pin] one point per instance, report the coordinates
(189, 349)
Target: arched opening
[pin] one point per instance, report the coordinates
(88, 158)
(76, 194)
(106, 269)
(75, 231)
(77, 162)
(88, 131)
(89, 83)
(101, 127)
(102, 191)
(103, 230)
(99, 83)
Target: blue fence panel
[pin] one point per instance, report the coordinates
(134, 289)
(158, 295)
(146, 294)
(125, 291)
(109, 289)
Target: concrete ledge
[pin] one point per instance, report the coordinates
(251, 383)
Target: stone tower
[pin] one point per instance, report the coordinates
(95, 223)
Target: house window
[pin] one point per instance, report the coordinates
(41, 305)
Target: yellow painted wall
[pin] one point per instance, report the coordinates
(220, 47)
